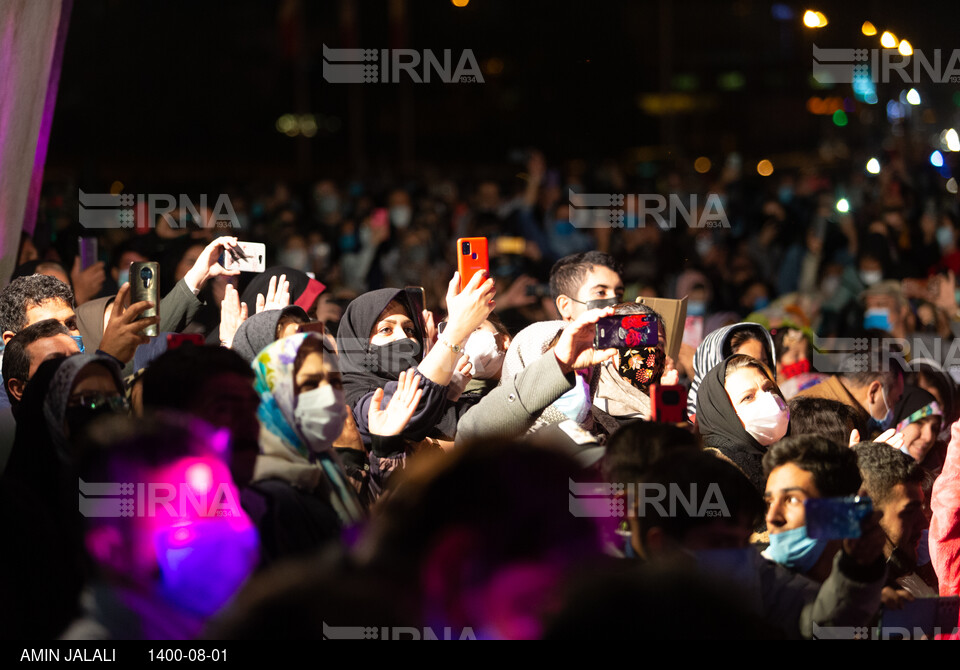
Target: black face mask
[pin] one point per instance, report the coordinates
(389, 360)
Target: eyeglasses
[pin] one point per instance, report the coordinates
(99, 400)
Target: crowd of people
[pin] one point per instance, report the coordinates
(358, 438)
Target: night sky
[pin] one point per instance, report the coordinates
(187, 91)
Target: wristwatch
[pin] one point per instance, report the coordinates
(456, 348)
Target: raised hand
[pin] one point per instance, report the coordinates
(278, 295)
(208, 265)
(469, 308)
(232, 314)
(394, 418)
(575, 350)
(124, 331)
(86, 283)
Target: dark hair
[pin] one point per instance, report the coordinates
(741, 361)
(175, 378)
(883, 467)
(25, 292)
(834, 467)
(568, 273)
(744, 335)
(705, 469)
(638, 444)
(780, 334)
(135, 245)
(829, 418)
(16, 362)
(877, 370)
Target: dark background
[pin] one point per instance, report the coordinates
(186, 91)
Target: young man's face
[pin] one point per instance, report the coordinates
(600, 282)
(49, 309)
(903, 519)
(788, 488)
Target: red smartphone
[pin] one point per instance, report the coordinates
(668, 404)
(471, 258)
(175, 340)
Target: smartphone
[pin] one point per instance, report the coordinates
(246, 257)
(836, 518)
(510, 246)
(145, 285)
(175, 340)
(625, 332)
(668, 404)
(88, 252)
(471, 258)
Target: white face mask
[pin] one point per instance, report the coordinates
(320, 414)
(870, 277)
(766, 419)
(485, 355)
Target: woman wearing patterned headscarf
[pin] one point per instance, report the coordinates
(299, 498)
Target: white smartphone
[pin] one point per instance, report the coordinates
(250, 258)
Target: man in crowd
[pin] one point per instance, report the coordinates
(872, 394)
(719, 541)
(798, 469)
(590, 277)
(28, 349)
(894, 481)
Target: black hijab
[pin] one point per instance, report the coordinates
(362, 364)
(302, 288)
(40, 582)
(721, 428)
(259, 330)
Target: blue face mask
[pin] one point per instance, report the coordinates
(696, 308)
(878, 317)
(79, 340)
(793, 549)
(944, 236)
(886, 422)
(575, 403)
(760, 303)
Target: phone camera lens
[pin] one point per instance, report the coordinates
(465, 248)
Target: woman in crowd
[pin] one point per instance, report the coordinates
(300, 497)
(741, 338)
(40, 580)
(741, 412)
(382, 334)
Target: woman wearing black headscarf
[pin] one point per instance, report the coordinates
(262, 329)
(382, 334)
(41, 573)
(741, 412)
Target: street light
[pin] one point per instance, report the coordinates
(888, 40)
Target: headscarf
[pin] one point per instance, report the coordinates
(715, 348)
(285, 453)
(360, 361)
(260, 330)
(303, 289)
(721, 428)
(58, 392)
(915, 404)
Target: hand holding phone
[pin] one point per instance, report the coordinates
(836, 518)
(145, 285)
(627, 331)
(471, 258)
